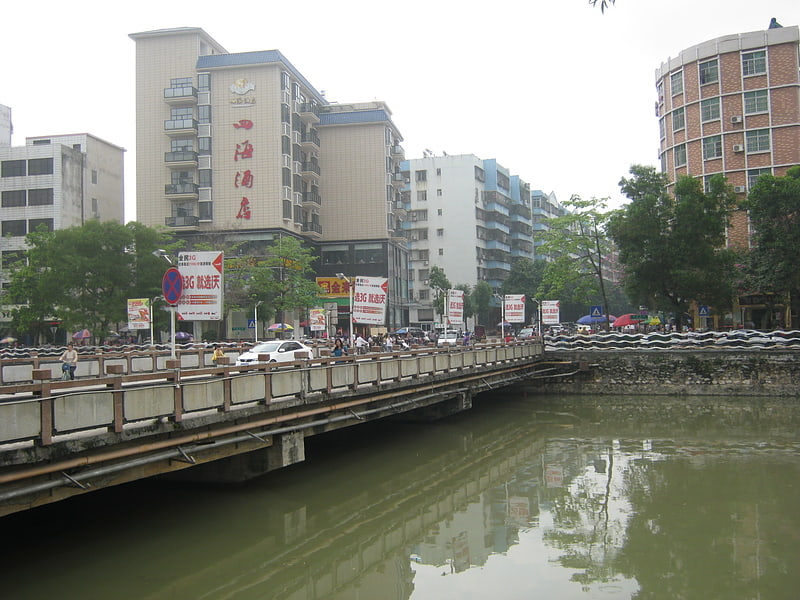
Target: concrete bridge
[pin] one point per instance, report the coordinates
(227, 423)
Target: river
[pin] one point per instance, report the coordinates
(520, 497)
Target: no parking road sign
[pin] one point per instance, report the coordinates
(172, 286)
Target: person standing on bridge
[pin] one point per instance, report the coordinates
(70, 358)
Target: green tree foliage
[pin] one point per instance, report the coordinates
(672, 247)
(283, 280)
(774, 209)
(578, 246)
(439, 284)
(84, 275)
(481, 302)
(526, 277)
(603, 4)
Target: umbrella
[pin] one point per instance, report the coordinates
(82, 334)
(589, 319)
(8, 340)
(280, 327)
(654, 321)
(402, 331)
(628, 319)
(504, 324)
(182, 335)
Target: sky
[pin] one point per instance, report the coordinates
(558, 92)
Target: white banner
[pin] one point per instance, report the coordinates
(369, 300)
(202, 286)
(316, 319)
(455, 307)
(514, 308)
(550, 312)
(139, 313)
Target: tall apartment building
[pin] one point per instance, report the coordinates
(59, 182)
(731, 105)
(467, 216)
(240, 147)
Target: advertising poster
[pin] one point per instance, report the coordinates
(316, 319)
(455, 307)
(334, 287)
(202, 286)
(515, 308)
(138, 313)
(369, 300)
(550, 312)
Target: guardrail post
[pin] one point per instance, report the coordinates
(117, 394)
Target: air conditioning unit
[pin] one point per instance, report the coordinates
(414, 237)
(738, 148)
(739, 189)
(736, 119)
(425, 263)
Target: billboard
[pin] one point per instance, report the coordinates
(138, 313)
(316, 319)
(514, 309)
(333, 287)
(455, 307)
(369, 300)
(202, 286)
(550, 312)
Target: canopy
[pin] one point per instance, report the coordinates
(183, 335)
(629, 319)
(590, 320)
(280, 327)
(82, 334)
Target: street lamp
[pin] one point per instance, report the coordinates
(153, 318)
(255, 320)
(350, 298)
(502, 300)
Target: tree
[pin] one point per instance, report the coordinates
(672, 246)
(84, 275)
(283, 279)
(525, 277)
(603, 4)
(578, 246)
(481, 301)
(774, 210)
(439, 283)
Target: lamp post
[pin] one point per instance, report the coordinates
(350, 299)
(502, 300)
(153, 318)
(255, 320)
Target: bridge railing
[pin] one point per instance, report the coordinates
(46, 411)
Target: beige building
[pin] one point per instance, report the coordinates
(240, 147)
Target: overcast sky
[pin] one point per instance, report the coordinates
(557, 92)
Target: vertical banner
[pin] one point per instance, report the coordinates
(550, 312)
(138, 313)
(316, 319)
(202, 286)
(514, 308)
(455, 307)
(369, 300)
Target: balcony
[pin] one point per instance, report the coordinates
(180, 127)
(308, 111)
(309, 168)
(180, 158)
(185, 221)
(312, 198)
(398, 179)
(180, 96)
(315, 229)
(397, 150)
(310, 141)
(181, 190)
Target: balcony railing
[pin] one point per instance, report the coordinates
(312, 197)
(173, 189)
(308, 110)
(185, 221)
(310, 138)
(180, 156)
(310, 167)
(180, 124)
(312, 227)
(180, 93)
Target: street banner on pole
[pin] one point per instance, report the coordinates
(455, 307)
(138, 313)
(369, 300)
(202, 286)
(550, 312)
(515, 308)
(316, 319)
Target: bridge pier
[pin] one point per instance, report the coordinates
(461, 401)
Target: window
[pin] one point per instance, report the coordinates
(424, 274)
(439, 192)
(34, 224)
(40, 197)
(423, 294)
(12, 257)
(676, 83)
(422, 195)
(204, 177)
(754, 174)
(754, 63)
(13, 198)
(662, 128)
(480, 175)
(181, 145)
(756, 102)
(439, 212)
(420, 175)
(707, 184)
(680, 155)
(204, 82)
(95, 207)
(712, 147)
(286, 175)
(285, 81)
(678, 119)
(709, 109)
(204, 113)
(13, 168)
(41, 142)
(15, 228)
(758, 140)
(438, 172)
(204, 145)
(94, 176)
(709, 72)
(440, 233)
(40, 166)
(441, 251)
(286, 144)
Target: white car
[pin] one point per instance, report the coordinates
(276, 350)
(448, 339)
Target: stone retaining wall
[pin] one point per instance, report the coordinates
(682, 372)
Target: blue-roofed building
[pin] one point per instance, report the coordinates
(241, 147)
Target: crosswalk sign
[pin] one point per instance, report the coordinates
(596, 311)
(702, 311)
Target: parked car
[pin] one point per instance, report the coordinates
(414, 332)
(448, 339)
(526, 333)
(277, 351)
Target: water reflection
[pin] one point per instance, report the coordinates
(514, 499)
